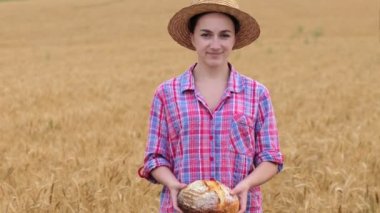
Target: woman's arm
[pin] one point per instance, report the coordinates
(164, 176)
(264, 172)
(157, 152)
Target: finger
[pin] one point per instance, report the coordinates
(182, 185)
(175, 206)
(243, 202)
(174, 201)
(242, 208)
(235, 191)
(177, 209)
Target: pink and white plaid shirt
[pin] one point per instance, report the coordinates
(225, 144)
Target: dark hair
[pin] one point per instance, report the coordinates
(194, 20)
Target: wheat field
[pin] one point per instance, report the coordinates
(77, 79)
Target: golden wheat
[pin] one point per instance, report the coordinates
(77, 77)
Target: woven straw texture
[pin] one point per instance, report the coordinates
(178, 25)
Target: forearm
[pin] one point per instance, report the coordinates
(164, 176)
(264, 172)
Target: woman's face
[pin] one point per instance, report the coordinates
(213, 39)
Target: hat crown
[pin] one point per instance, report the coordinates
(230, 3)
(178, 26)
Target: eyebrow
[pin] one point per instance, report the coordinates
(209, 31)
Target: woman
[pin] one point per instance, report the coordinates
(212, 122)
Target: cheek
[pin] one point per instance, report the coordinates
(232, 46)
(202, 45)
(200, 51)
(232, 42)
(198, 44)
(229, 45)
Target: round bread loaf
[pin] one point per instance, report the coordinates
(207, 196)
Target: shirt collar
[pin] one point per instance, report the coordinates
(187, 79)
(235, 81)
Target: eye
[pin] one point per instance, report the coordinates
(205, 35)
(225, 35)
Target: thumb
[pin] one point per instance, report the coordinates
(182, 185)
(235, 191)
(175, 204)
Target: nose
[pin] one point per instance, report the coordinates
(215, 43)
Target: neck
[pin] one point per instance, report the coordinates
(202, 72)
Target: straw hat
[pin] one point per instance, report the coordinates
(178, 25)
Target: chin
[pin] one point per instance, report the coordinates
(216, 63)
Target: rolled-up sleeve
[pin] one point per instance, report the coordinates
(266, 134)
(157, 150)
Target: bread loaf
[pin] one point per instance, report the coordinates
(207, 196)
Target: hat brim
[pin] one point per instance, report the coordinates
(178, 24)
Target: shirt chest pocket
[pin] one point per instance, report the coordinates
(242, 135)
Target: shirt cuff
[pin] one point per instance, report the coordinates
(146, 170)
(274, 157)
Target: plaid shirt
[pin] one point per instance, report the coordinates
(225, 144)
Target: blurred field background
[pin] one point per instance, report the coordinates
(77, 79)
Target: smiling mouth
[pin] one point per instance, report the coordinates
(215, 54)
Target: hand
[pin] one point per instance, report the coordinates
(241, 190)
(174, 190)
